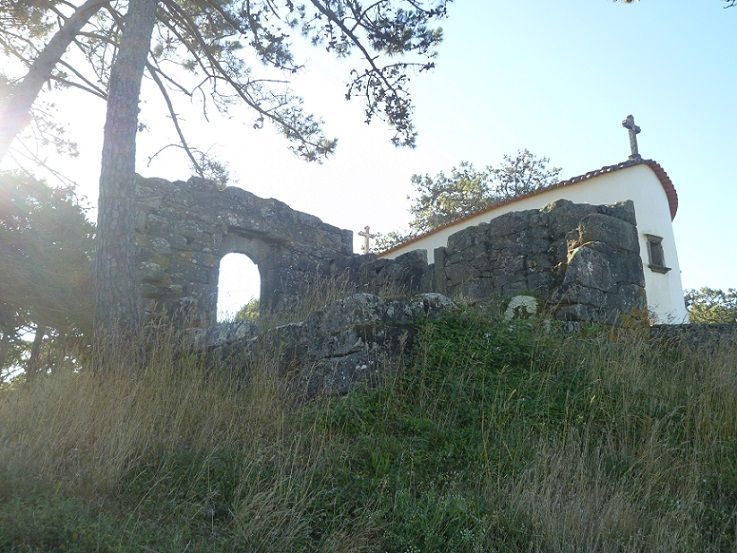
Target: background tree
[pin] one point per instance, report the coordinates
(35, 38)
(46, 245)
(249, 311)
(708, 305)
(443, 198)
(519, 174)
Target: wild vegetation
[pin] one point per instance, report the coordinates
(46, 246)
(710, 305)
(497, 436)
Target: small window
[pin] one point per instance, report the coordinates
(655, 254)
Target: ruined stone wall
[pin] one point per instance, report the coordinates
(185, 228)
(698, 337)
(581, 260)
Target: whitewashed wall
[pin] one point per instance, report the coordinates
(639, 184)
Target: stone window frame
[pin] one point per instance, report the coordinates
(656, 254)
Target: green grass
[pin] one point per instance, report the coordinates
(499, 437)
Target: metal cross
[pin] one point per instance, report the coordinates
(629, 124)
(366, 237)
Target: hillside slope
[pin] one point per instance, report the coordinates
(497, 436)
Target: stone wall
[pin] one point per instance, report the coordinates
(185, 228)
(699, 337)
(350, 340)
(581, 260)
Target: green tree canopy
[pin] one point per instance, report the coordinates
(46, 245)
(709, 305)
(445, 197)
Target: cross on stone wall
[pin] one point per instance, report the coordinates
(634, 130)
(367, 236)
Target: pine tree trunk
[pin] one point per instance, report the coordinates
(15, 114)
(4, 350)
(34, 361)
(117, 306)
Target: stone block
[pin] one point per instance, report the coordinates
(538, 262)
(564, 216)
(178, 242)
(148, 198)
(153, 273)
(477, 288)
(581, 294)
(159, 246)
(461, 240)
(506, 263)
(621, 210)
(205, 259)
(628, 298)
(514, 288)
(558, 250)
(625, 267)
(578, 312)
(509, 223)
(589, 268)
(539, 283)
(609, 230)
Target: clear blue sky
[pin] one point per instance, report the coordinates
(558, 77)
(555, 77)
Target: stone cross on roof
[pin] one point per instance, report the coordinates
(634, 130)
(367, 236)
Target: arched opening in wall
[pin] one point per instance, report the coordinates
(239, 287)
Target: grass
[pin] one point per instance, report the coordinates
(498, 437)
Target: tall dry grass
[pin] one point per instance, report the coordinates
(497, 438)
(224, 448)
(653, 469)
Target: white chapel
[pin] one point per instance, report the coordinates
(643, 181)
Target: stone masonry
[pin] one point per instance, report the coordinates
(581, 260)
(185, 228)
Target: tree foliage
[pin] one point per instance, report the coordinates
(249, 311)
(709, 305)
(218, 53)
(46, 245)
(445, 197)
(35, 36)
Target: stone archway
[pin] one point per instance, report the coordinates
(185, 228)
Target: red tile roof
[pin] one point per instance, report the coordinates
(663, 177)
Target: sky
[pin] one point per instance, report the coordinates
(554, 77)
